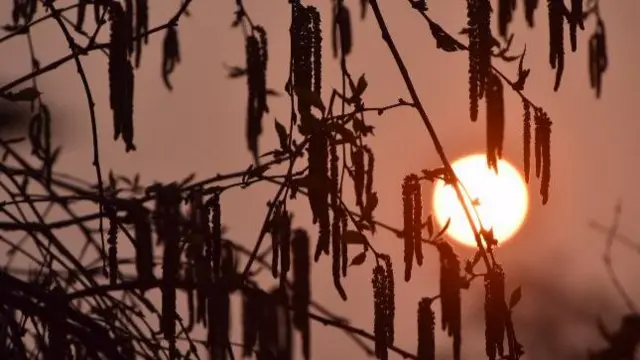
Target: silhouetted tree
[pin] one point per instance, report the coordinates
(70, 307)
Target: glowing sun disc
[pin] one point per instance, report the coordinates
(502, 199)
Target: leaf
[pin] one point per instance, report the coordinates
(359, 259)
(345, 134)
(522, 73)
(354, 237)
(282, 135)
(444, 41)
(516, 295)
(26, 94)
(360, 87)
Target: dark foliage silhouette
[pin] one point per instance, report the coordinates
(68, 306)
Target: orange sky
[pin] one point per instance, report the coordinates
(199, 127)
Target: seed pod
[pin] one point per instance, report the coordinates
(301, 288)
(426, 330)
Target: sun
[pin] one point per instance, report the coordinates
(501, 200)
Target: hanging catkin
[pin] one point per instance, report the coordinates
(301, 288)
(426, 330)
(450, 294)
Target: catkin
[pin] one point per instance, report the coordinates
(575, 21)
(357, 160)
(556, 10)
(495, 120)
(450, 294)
(216, 233)
(274, 232)
(379, 314)
(426, 330)
(495, 309)
(505, 15)
(336, 236)
(408, 213)
(417, 221)
(474, 56)
(390, 302)
(170, 54)
(167, 220)
(526, 135)
(316, 46)
(142, 27)
(301, 288)
(112, 241)
(598, 60)
(251, 317)
(121, 78)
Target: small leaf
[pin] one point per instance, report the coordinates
(444, 41)
(26, 94)
(236, 72)
(361, 87)
(516, 295)
(359, 259)
(354, 238)
(282, 135)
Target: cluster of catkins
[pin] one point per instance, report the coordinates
(542, 147)
(290, 249)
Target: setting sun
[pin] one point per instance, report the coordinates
(501, 200)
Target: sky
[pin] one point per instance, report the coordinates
(199, 127)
